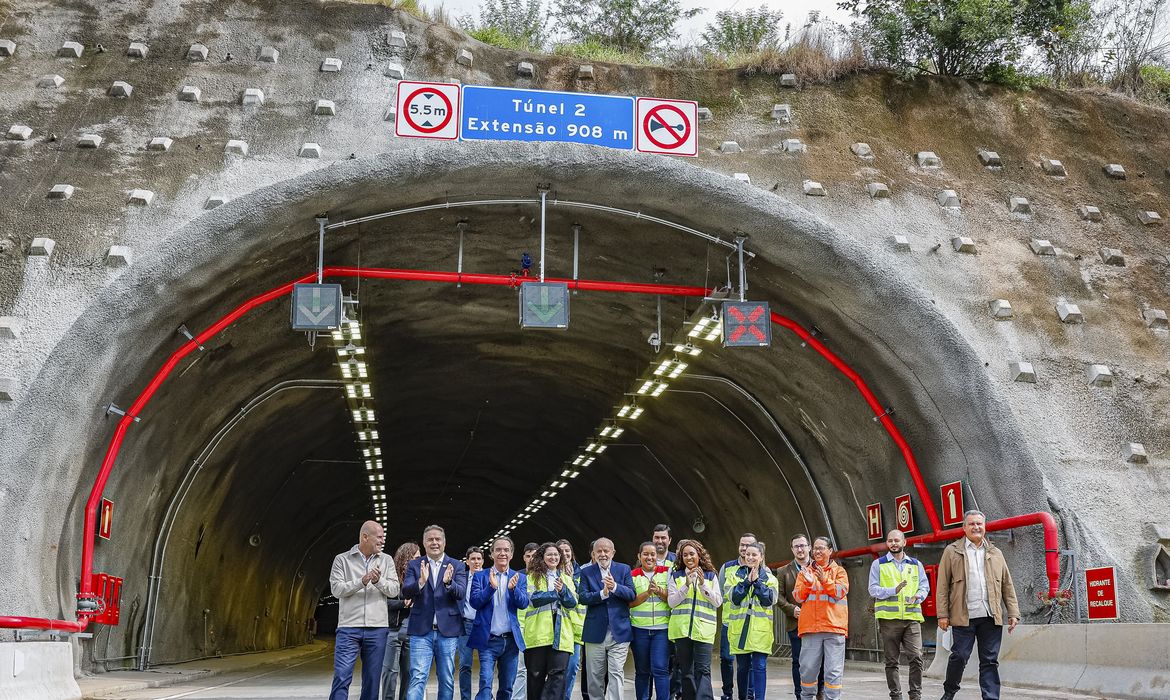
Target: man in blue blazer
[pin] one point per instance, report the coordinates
(607, 588)
(436, 583)
(498, 593)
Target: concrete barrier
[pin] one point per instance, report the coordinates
(40, 670)
(1113, 660)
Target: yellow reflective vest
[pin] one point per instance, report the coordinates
(546, 620)
(905, 605)
(750, 625)
(654, 612)
(694, 617)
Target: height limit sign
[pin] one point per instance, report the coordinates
(427, 110)
(669, 127)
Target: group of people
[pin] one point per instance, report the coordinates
(535, 628)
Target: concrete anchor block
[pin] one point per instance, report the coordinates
(8, 388)
(140, 198)
(7, 47)
(394, 71)
(236, 147)
(310, 150)
(390, 113)
(788, 80)
(121, 88)
(794, 146)
(190, 93)
(1042, 246)
(1135, 453)
(1089, 213)
(585, 72)
(50, 81)
(812, 188)
(252, 96)
(1053, 167)
(197, 53)
(1156, 319)
(269, 54)
(137, 50)
(89, 141)
(1112, 256)
(1115, 171)
(901, 244)
(729, 147)
(160, 143)
(325, 108)
(927, 159)
(215, 200)
(70, 49)
(11, 327)
(990, 159)
(948, 199)
(1020, 205)
(1099, 375)
(18, 132)
(782, 113)
(119, 256)
(396, 38)
(743, 177)
(963, 244)
(1001, 309)
(524, 69)
(1069, 313)
(705, 114)
(60, 191)
(1150, 218)
(1023, 372)
(878, 190)
(42, 247)
(465, 58)
(862, 150)
(331, 65)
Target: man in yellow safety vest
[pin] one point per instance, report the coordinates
(898, 584)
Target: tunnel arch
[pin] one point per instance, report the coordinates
(913, 356)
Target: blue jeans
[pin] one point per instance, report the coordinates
(794, 640)
(651, 660)
(726, 665)
(500, 657)
(751, 671)
(465, 653)
(571, 671)
(370, 642)
(963, 639)
(425, 648)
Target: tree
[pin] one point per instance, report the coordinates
(631, 26)
(743, 32)
(512, 23)
(1136, 38)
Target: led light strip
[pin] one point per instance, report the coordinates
(359, 396)
(704, 327)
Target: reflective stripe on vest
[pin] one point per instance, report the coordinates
(903, 606)
(653, 613)
(548, 625)
(693, 618)
(750, 627)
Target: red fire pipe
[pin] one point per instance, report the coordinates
(86, 596)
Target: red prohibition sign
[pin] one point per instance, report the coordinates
(426, 129)
(653, 114)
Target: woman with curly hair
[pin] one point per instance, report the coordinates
(694, 597)
(570, 566)
(397, 643)
(548, 631)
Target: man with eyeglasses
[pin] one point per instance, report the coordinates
(786, 575)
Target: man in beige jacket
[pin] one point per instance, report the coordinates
(974, 595)
(361, 580)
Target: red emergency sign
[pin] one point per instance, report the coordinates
(1101, 591)
(873, 516)
(106, 519)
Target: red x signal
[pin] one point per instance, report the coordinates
(746, 324)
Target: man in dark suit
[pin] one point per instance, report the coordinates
(436, 583)
(607, 589)
(497, 594)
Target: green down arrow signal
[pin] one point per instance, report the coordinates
(542, 310)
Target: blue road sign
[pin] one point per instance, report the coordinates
(511, 114)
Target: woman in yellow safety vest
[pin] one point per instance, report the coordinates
(548, 631)
(577, 615)
(753, 592)
(649, 615)
(694, 596)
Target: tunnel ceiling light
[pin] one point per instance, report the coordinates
(592, 447)
(606, 431)
(577, 462)
(688, 349)
(617, 432)
(351, 350)
(570, 474)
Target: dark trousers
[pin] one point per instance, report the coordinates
(794, 640)
(729, 668)
(546, 673)
(751, 671)
(694, 660)
(370, 643)
(464, 653)
(898, 637)
(675, 675)
(989, 635)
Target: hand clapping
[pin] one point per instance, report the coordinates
(424, 572)
(448, 573)
(516, 579)
(558, 584)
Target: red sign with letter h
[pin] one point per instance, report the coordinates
(873, 516)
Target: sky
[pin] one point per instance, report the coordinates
(795, 11)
